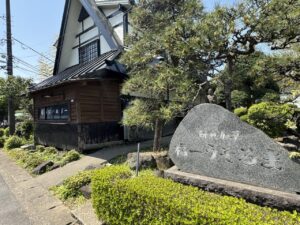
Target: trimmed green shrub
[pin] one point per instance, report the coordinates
(70, 156)
(119, 199)
(240, 111)
(270, 117)
(13, 142)
(6, 131)
(1, 132)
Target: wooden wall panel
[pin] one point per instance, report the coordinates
(92, 102)
(58, 95)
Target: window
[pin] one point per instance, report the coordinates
(89, 51)
(42, 114)
(57, 112)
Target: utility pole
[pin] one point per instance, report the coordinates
(11, 111)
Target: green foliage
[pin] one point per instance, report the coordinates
(239, 98)
(13, 142)
(49, 150)
(1, 132)
(294, 155)
(70, 156)
(2, 141)
(18, 88)
(270, 117)
(31, 159)
(119, 199)
(271, 97)
(25, 129)
(40, 148)
(161, 66)
(240, 111)
(6, 131)
(70, 187)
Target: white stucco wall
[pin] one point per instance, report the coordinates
(69, 54)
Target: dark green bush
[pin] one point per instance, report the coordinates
(1, 132)
(119, 199)
(70, 156)
(25, 129)
(2, 141)
(240, 111)
(270, 117)
(239, 98)
(13, 142)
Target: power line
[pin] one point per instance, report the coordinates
(28, 65)
(42, 55)
(25, 69)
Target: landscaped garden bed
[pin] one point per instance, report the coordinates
(49, 156)
(120, 198)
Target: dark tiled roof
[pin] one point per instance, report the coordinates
(82, 71)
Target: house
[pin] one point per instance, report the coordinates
(80, 106)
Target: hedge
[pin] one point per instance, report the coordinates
(119, 199)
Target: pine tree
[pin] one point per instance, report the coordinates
(165, 62)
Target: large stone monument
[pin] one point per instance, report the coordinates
(213, 142)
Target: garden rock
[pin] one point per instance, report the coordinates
(28, 147)
(42, 168)
(146, 161)
(54, 166)
(213, 142)
(86, 191)
(288, 146)
(163, 161)
(94, 166)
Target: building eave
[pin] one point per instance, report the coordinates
(61, 36)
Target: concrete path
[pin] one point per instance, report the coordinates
(11, 212)
(96, 159)
(85, 214)
(27, 200)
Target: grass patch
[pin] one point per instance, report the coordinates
(69, 191)
(31, 159)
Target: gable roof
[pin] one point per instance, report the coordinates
(103, 24)
(95, 69)
(61, 36)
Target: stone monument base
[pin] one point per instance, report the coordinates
(258, 195)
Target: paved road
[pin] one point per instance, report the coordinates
(10, 210)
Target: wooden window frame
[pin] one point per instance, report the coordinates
(53, 106)
(90, 54)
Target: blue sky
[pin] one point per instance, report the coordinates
(37, 24)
